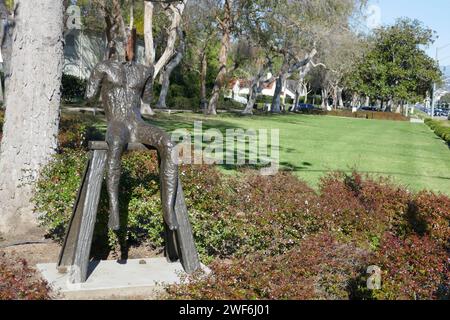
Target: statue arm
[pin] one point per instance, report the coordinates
(95, 82)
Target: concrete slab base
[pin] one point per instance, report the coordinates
(115, 279)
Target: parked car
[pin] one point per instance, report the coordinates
(438, 112)
(303, 107)
(368, 108)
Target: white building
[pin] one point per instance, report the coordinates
(239, 89)
(83, 50)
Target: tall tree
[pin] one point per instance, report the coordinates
(168, 69)
(396, 69)
(226, 16)
(291, 29)
(32, 109)
(200, 39)
(174, 10)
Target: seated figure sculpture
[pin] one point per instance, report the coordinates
(122, 85)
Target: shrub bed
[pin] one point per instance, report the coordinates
(300, 243)
(440, 129)
(414, 268)
(320, 268)
(19, 282)
(360, 114)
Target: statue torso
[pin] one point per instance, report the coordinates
(122, 90)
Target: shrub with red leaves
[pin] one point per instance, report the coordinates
(360, 208)
(413, 268)
(275, 212)
(19, 282)
(320, 268)
(429, 214)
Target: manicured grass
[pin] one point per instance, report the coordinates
(311, 146)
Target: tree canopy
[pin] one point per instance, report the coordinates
(396, 66)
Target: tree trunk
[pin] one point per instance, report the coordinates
(254, 90)
(286, 71)
(221, 76)
(168, 71)
(276, 101)
(149, 47)
(148, 34)
(32, 109)
(298, 92)
(301, 82)
(223, 57)
(335, 97)
(177, 12)
(340, 99)
(6, 35)
(325, 95)
(253, 94)
(203, 73)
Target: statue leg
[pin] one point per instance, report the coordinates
(117, 138)
(157, 138)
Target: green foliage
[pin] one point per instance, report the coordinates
(440, 129)
(72, 88)
(396, 67)
(56, 191)
(76, 131)
(445, 98)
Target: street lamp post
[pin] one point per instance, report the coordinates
(433, 101)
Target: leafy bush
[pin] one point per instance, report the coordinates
(75, 132)
(19, 282)
(362, 209)
(229, 104)
(57, 189)
(72, 88)
(274, 212)
(413, 268)
(140, 204)
(311, 244)
(439, 128)
(320, 268)
(183, 103)
(360, 114)
(429, 214)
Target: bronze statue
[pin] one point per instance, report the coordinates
(122, 85)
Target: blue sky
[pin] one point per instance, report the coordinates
(433, 13)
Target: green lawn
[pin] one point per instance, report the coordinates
(311, 146)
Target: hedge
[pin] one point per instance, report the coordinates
(440, 129)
